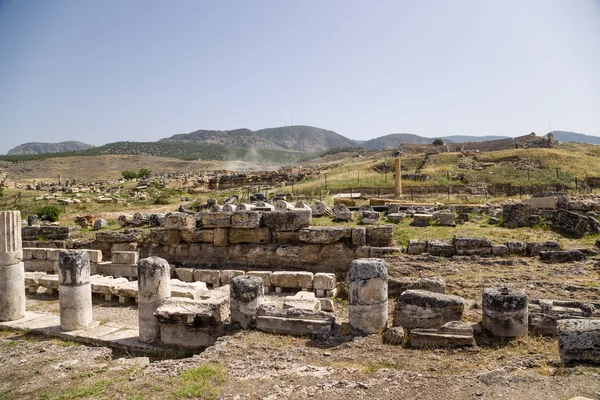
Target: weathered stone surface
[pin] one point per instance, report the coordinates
(421, 220)
(423, 309)
(221, 237)
(228, 274)
(285, 237)
(323, 234)
(75, 293)
(324, 281)
(382, 252)
(124, 257)
(505, 311)
(380, 235)
(129, 235)
(216, 220)
(342, 212)
(287, 220)
(440, 248)
(292, 321)
(246, 219)
(571, 223)
(416, 247)
(153, 286)
(50, 232)
(211, 276)
(197, 235)
(471, 246)
(579, 341)
(370, 217)
(11, 250)
(562, 256)
(396, 218)
(292, 279)
(499, 250)
(545, 314)
(516, 247)
(394, 336)
(305, 301)
(319, 209)
(99, 224)
(185, 274)
(542, 202)
(434, 284)
(516, 215)
(326, 304)
(359, 236)
(368, 294)
(179, 221)
(244, 235)
(264, 275)
(535, 248)
(246, 293)
(363, 252)
(12, 292)
(445, 218)
(163, 236)
(451, 334)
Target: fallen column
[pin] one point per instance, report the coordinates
(368, 295)
(246, 295)
(153, 286)
(12, 269)
(74, 289)
(505, 312)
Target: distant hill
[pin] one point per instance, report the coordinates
(394, 140)
(465, 138)
(565, 136)
(298, 138)
(43, 148)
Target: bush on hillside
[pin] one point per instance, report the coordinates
(49, 213)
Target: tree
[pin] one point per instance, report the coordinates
(144, 173)
(128, 174)
(438, 142)
(49, 213)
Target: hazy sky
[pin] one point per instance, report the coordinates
(110, 70)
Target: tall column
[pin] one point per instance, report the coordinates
(74, 289)
(153, 286)
(398, 179)
(368, 295)
(12, 270)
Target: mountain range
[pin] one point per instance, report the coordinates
(288, 142)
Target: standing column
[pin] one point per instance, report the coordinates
(153, 286)
(12, 270)
(398, 179)
(368, 295)
(246, 295)
(74, 289)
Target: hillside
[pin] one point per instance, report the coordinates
(298, 138)
(394, 140)
(565, 136)
(43, 148)
(465, 138)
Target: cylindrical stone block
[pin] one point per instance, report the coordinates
(153, 286)
(246, 295)
(505, 311)
(74, 289)
(11, 250)
(12, 292)
(368, 295)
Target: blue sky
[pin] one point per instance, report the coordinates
(103, 71)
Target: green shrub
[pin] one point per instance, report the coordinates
(438, 142)
(49, 213)
(163, 198)
(144, 173)
(128, 174)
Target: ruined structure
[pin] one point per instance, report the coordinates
(12, 286)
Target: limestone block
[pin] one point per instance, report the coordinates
(535, 248)
(216, 220)
(286, 237)
(471, 246)
(305, 301)
(499, 250)
(246, 293)
(396, 218)
(394, 336)
(38, 254)
(11, 251)
(571, 223)
(51, 254)
(368, 295)
(421, 220)
(95, 256)
(41, 266)
(124, 257)
(185, 274)
(451, 334)
(505, 311)
(359, 236)
(197, 235)
(516, 247)
(342, 212)
(370, 217)
(292, 279)
(516, 215)
(545, 314)
(246, 219)
(446, 218)
(228, 274)
(28, 253)
(221, 237)
(324, 281)
(287, 220)
(382, 252)
(282, 205)
(319, 209)
(363, 252)
(264, 275)
(380, 235)
(562, 256)
(152, 288)
(211, 276)
(327, 305)
(254, 235)
(323, 234)
(131, 235)
(542, 202)
(416, 247)
(131, 246)
(179, 221)
(440, 248)
(292, 321)
(434, 284)
(190, 290)
(579, 341)
(423, 309)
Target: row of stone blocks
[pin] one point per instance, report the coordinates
(479, 246)
(323, 284)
